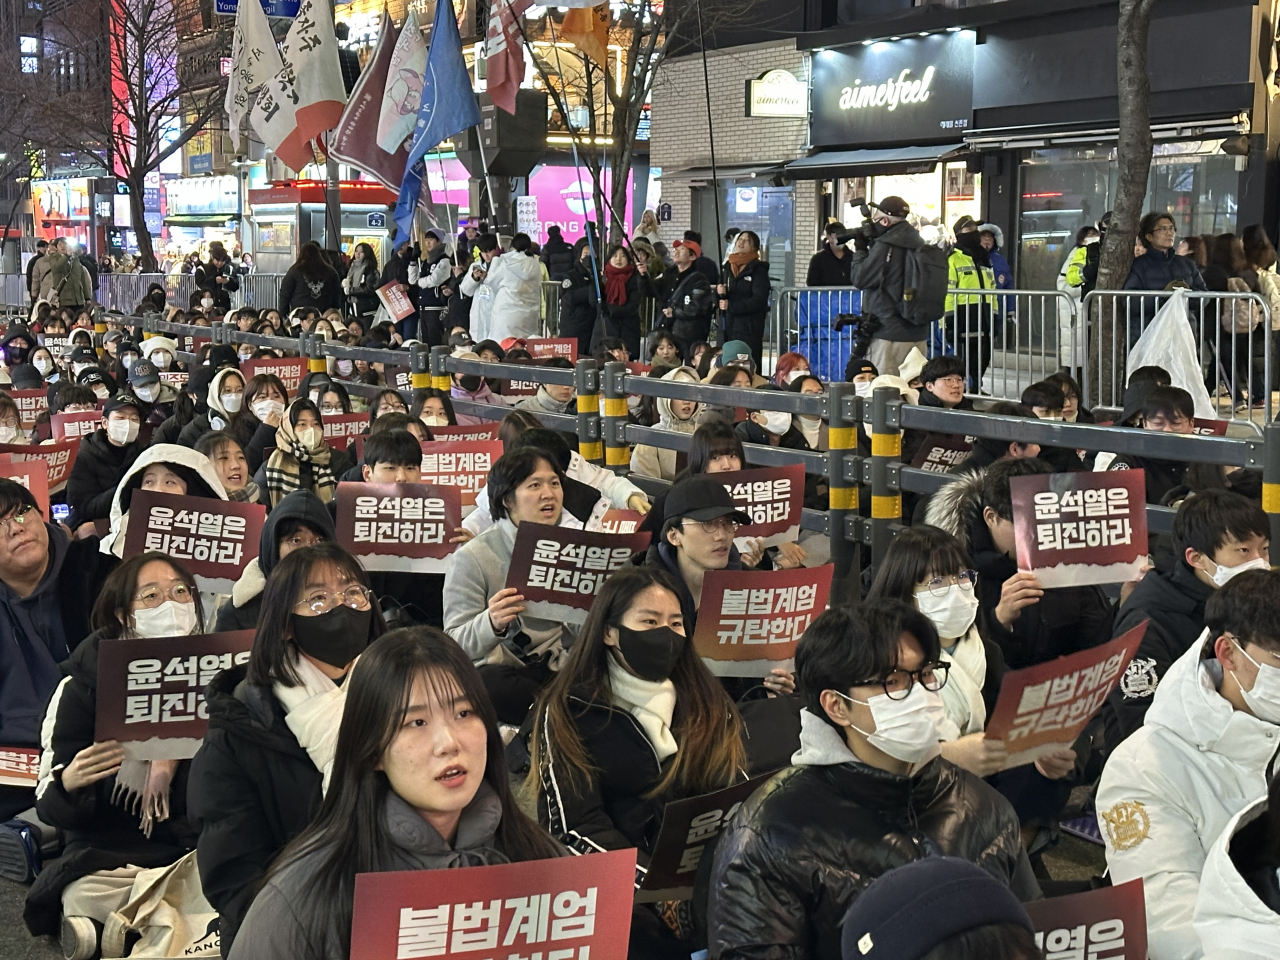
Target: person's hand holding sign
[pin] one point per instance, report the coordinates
(505, 606)
(462, 535)
(975, 753)
(95, 762)
(753, 553)
(639, 503)
(780, 682)
(1058, 764)
(790, 556)
(1020, 590)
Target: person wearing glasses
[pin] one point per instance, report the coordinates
(120, 814)
(942, 386)
(1158, 267)
(1168, 410)
(258, 778)
(867, 791)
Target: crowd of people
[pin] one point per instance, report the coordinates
(418, 721)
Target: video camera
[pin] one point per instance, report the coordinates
(859, 232)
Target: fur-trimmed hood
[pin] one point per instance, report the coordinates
(957, 507)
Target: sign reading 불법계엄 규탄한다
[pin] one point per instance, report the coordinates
(73, 426)
(339, 428)
(464, 464)
(546, 347)
(559, 570)
(289, 370)
(399, 526)
(487, 432)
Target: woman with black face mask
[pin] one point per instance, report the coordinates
(632, 722)
(259, 777)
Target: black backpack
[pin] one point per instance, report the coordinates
(924, 284)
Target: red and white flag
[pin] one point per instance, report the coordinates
(504, 53)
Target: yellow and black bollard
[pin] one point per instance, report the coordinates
(886, 457)
(617, 452)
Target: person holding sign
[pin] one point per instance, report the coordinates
(420, 783)
(632, 722)
(163, 468)
(867, 791)
(1206, 750)
(273, 724)
(116, 812)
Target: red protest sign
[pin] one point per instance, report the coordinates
(32, 474)
(750, 620)
(1080, 528)
(559, 570)
(30, 403)
(72, 426)
(638, 369)
(398, 378)
(1109, 923)
(541, 348)
(520, 388)
(214, 538)
(940, 452)
(59, 457)
(19, 766)
(151, 692)
(395, 297)
(290, 371)
(571, 908)
(1209, 428)
(772, 496)
(464, 464)
(339, 428)
(175, 378)
(465, 433)
(1045, 707)
(621, 521)
(399, 526)
(190, 343)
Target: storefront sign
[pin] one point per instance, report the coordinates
(906, 91)
(195, 196)
(777, 93)
(272, 8)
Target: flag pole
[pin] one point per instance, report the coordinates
(332, 187)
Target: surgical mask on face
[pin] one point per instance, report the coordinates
(43, 364)
(127, 360)
(170, 619)
(246, 355)
(777, 422)
(231, 401)
(123, 431)
(207, 302)
(905, 729)
(262, 409)
(1264, 698)
(147, 393)
(795, 375)
(161, 359)
(862, 389)
(100, 391)
(79, 368)
(952, 613)
(436, 421)
(344, 367)
(1222, 574)
(310, 437)
(7, 433)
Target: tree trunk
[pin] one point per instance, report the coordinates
(137, 211)
(1133, 157)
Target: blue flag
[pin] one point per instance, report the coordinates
(448, 107)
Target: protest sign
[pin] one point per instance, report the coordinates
(464, 464)
(687, 827)
(30, 403)
(559, 570)
(571, 908)
(486, 432)
(72, 426)
(151, 692)
(940, 452)
(542, 348)
(750, 620)
(638, 369)
(58, 457)
(772, 496)
(399, 526)
(1109, 923)
(1209, 428)
(398, 378)
(58, 346)
(190, 343)
(19, 766)
(32, 474)
(1073, 529)
(395, 297)
(520, 388)
(621, 521)
(1045, 707)
(339, 428)
(175, 378)
(289, 371)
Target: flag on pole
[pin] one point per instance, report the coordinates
(305, 98)
(255, 59)
(403, 91)
(587, 28)
(504, 53)
(354, 140)
(448, 107)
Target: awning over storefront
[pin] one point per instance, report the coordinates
(200, 219)
(725, 172)
(866, 163)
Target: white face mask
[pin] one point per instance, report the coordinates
(436, 421)
(43, 364)
(79, 368)
(862, 389)
(170, 619)
(1264, 698)
(262, 409)
(776, 422)
(952, 613)
(123, 431)
(147, 393)
(247, 355)
(795, 375)
(344, 367)
(310, 437)
(101, 392)
(7, 433)
(127, 360)
(231, 401)
(206, 303)
(161, 359)
(1222, 574)
(905, 729)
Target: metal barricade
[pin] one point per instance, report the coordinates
(261, 291)
(15, 288)
(551, 308)
(1234, 343)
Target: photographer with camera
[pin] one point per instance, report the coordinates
(878, 269)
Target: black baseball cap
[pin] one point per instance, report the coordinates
(119, 401)
(84, 355)
(143, 372)
(701, 498)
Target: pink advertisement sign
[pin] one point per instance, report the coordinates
(565, 198)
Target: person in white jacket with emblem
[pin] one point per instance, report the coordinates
(1204, 752)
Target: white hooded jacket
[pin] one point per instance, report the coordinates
(508, 302)
(1232, 922)
(113, 542)
(660, 462)
(1171, 788)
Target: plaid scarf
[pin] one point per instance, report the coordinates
(284, 474)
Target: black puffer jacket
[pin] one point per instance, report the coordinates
(99, 466)
(748, 297)
(691, 299)
(252, 790)
(297, 290)
(579, 305)
(805, 844)
(558, 255)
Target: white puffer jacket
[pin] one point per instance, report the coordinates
(1232, 922)
(1171, 788)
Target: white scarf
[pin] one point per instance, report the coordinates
(962, 696)
(313, 712)
(652, 704)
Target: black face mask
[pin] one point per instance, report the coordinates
(970, 242)
(651, 654)
(470, 382)
(336, 637)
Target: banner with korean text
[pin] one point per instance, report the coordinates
(32, 474)
(572, 908)
(772, 496)
(19, 766)
(1109, 923)
(399, 526)
(750, 620)
(395, 297)
(940, 452)
(59, 457)
(72, 426)
(465, 433)
(464, 464)
(559, 570)
(339, 428)
(1073, 529)
(290, 371)
(621, 521)
(30, 404)
(151, 692)
(1045, 708)
(542, 348)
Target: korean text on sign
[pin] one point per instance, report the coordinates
(173, 691)
(289, 371)
(548, 919)
(559, 571)
(1097, 941)
(767, 615)
(1062, 702)
(190, 535)
(1109, 923)
(68, 426)
(384, 521)
(58, 457)
(460, 464)
(399, 526)
(1075, 519)
(574, 568)
(772, 497)
(19, 766)
(30, 404)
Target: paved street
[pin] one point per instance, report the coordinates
(15, 942)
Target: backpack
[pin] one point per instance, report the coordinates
(924, 284)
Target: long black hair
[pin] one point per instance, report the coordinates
(715, 438)
(916, 554)
(351, 828)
